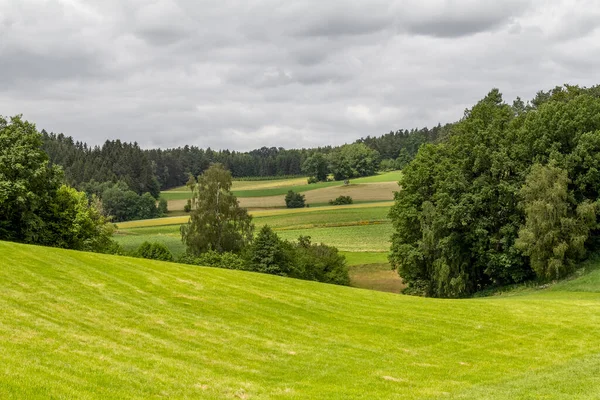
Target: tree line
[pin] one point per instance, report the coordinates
(153, 170)
(510, 194)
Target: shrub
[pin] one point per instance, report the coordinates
(269, 254)
(212, 258)
(341, 200)
(162, 207)
(294, 200)
(312, 180)
(319, 262)
(154, 251)
(188, 206)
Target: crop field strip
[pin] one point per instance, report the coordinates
(82, 325)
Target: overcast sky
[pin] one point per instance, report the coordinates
(246, 74)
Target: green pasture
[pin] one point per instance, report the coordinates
(92, 326)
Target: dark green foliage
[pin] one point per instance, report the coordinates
(122, 204)
(162, 207)
(126, 205)
(217, 222)
(341, 200)
(555, 231)
(312, 179)
(270, 255)
(294, 200)
(302, 260)
(149, 170)
(114, 161)
(188, 206)
(28, 184)
(352, 161)
(315, 166)
(34, 205)
(319, 262)
(154, 251)
(212, 258)
(459, 212)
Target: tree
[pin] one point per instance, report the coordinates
(315, 166)
(163, 207)
(460, 211)
(341, 200)
(554, 234)
(72, 222)
(35, 207)
(319, 262)
(353, 160)
(294, 200)
(269, 254)
(217, 222)
(27, 182)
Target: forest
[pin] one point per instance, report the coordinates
(153, 170)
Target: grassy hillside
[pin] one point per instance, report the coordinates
(80, 325)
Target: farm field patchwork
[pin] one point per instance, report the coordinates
(360, 231)
(272, 188)
(353, 228)
(83, 325)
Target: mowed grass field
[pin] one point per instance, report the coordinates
(82, 325)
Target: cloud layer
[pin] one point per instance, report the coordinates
(246, 74)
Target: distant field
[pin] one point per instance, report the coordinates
(76, 325)
(248, 189)
(360, 231)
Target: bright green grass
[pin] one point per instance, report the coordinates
(358, 238)
(283, 188)
(81, 325)
(365, 258)
(392, 176)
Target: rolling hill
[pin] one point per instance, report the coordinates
(83, 325)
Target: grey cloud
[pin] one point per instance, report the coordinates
(454, 19)
(240, 75)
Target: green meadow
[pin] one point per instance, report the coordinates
(83, 325)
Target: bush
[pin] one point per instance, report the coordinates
(188, 206)
(212, 258)
(341, 201)
(154, 251)
(312, 180)
(319, 262)
(269, 254)
(162, 207)
(294, 200)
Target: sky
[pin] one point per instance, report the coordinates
(246, 74)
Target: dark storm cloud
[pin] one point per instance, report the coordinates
(234, 74)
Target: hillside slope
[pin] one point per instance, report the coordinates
(81, 325)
